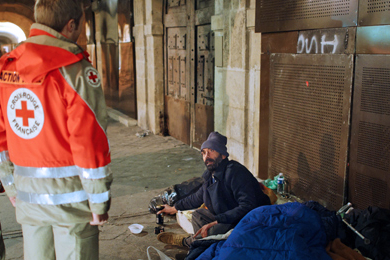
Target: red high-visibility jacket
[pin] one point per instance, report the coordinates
(53, 123)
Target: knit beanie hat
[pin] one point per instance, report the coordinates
(217, 142)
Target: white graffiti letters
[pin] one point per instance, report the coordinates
(311, 45)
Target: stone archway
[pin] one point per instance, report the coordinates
(19, 14)
(23, 22)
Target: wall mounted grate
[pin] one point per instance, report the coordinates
(309, 113)
(369, 174)
(290, 15)
(374, 12)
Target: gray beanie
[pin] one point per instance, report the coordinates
(217, 142)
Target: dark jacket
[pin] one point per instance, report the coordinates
(235, 193)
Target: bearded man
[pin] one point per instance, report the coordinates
(229, 192)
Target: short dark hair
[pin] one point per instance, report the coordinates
(57, 13)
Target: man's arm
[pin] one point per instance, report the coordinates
(87, 123)
(193, 201)
(245, 190)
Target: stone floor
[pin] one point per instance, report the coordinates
(142, 167)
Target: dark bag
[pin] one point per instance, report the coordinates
(374, 224)
(176, 192)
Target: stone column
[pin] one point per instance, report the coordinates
(148, 33)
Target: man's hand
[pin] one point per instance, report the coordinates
(168, 210)
(13, 201)
(203, 231)
(98, 220)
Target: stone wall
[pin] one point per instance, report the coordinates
(237, 82)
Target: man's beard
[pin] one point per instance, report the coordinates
(214, 163)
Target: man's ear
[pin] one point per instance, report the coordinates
(223, 156)
(69, 27)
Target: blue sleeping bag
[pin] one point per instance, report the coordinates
(278, 232)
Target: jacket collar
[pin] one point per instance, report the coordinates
(219, 172)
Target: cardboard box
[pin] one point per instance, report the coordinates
(184, 220)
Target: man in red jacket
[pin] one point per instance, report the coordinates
(53, 123)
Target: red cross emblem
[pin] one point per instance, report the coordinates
(25, 113)
(92, 76)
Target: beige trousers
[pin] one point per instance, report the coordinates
(61, 242)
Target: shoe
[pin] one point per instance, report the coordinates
(171, 238)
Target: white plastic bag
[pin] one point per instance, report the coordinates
(161, 254)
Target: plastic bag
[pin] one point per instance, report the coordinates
(161, 254)
(176, 192)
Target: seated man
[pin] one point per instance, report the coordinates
(229, 192)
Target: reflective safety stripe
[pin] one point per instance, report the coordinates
(62, 172)
(44, 172)
(100, 197)
(52, 199)
(7, 180)
(93, 174)
(4, 157)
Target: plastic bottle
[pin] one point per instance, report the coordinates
(280, 188)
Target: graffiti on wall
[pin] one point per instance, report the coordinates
(326, 41)
(316, 45)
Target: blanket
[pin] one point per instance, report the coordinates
(288, 231)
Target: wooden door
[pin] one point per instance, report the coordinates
(189, 70)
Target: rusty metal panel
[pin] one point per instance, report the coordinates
(284, 42)
(374, 12)
(204, 125)
(373, 40)
(291, 15)
(327, 41)
(127, 93)
(310, 98)
(369, 174)
(177, 119)
(205, 68)
(110, 71)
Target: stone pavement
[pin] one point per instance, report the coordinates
(142, 167)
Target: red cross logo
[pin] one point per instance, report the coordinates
(92, 76)
(25, 113)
